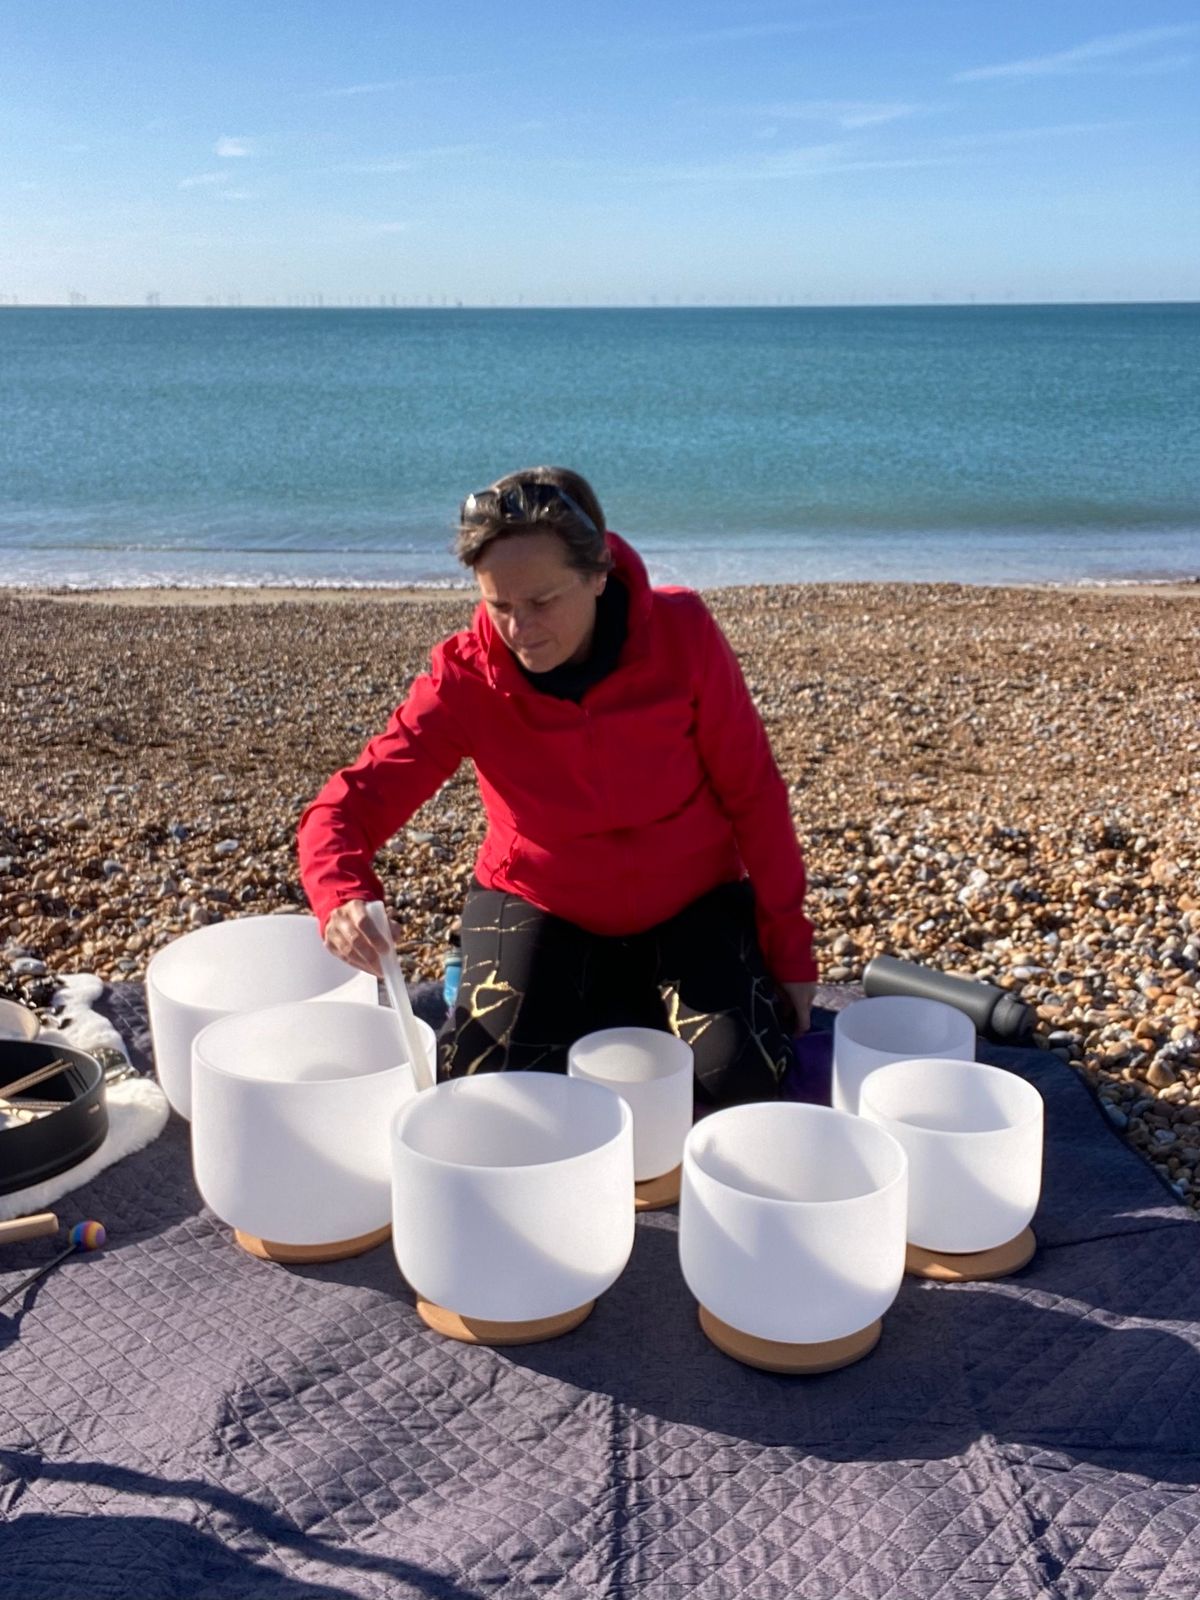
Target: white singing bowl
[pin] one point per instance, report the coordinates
(870, 1033)
(291, 1111)
(510, 1194)
(791, 1220)
(652, 1072)
(242, 965)
(973, 1135)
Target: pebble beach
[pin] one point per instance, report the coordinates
(1001, 783)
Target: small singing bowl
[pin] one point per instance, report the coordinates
(973, 1137)
(652, 1071)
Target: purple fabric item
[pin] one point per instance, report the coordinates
(810, 1077)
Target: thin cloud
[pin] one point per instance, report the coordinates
(409, 162)
(846, 113)
(361, 88)
(1161, 64)
(735, 34)
(1058, 130)
(749, 30)
(820, 20)
(1093, 55)
(233, 147)
(809, 161)
(200, 180)
(392, 85)
(375, 167)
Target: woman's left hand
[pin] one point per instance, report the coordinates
(801, 995)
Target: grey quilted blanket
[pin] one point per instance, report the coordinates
(178, 1419)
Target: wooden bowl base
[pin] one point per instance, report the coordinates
(295, 1255)
(945, 1266)
(477, 1330)
(653, 1194)
(774, 1355)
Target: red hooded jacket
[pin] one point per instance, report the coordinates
(613, 813)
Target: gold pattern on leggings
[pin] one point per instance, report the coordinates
(689, 1029)
(692, 1028)
(489, 995)
(484, 1000)
(531, 921)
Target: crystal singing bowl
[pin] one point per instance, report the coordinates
(242, 965)
(791, 1221)
(870, 1033)
(652, 1072)
(292, 1106)
(510, 1195)
(973, 1136)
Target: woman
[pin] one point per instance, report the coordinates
(640, 865)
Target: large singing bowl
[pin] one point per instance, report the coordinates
(870, 1033)
(242, 965)
(291, 1111)
(511, 1202)
(792, 1232)
(973, 1136)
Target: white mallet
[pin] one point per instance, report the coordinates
(393, 982)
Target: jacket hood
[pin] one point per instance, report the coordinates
(628, 567)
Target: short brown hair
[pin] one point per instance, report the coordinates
(513, 505)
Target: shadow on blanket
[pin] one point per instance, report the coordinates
(955, 1365)
(119, 1541)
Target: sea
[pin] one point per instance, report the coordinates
(970, 444)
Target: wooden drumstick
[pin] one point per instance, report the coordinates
(32, 1079)
(35, 1227)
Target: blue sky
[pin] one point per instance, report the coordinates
(822, 151)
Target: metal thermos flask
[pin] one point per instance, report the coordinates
(997, 1015)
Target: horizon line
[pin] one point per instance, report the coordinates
(633, 305)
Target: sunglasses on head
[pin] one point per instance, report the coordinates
(523, 502)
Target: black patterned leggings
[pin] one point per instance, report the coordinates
(532, 984)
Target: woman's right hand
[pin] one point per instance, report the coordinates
(352, 936)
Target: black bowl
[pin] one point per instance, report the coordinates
(53, 1142)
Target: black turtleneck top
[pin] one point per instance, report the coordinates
(572, 680)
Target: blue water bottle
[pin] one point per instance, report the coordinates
(452, 975)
